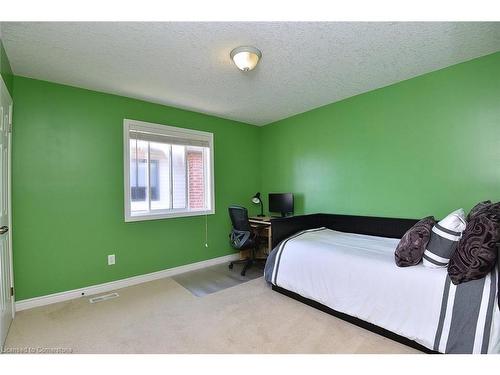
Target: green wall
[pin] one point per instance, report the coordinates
(68, 189)
(423, 146)
(5, 69)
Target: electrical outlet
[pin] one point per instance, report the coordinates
(111, 259)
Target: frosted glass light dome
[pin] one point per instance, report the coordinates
(246, 58)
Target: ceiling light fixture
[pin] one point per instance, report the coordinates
(246, 57)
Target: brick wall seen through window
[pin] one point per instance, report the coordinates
(196, 179)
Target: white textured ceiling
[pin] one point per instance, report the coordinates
(187, 65)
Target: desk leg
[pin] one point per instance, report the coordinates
(265, 247)
(269, 242)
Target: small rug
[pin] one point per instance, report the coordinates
(215, 278)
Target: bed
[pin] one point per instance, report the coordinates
(346, 267)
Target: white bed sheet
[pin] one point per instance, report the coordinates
(356, 274)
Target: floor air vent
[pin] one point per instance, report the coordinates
(104, 297)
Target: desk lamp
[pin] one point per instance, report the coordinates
(256, 199)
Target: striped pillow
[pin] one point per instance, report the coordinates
(444, 240)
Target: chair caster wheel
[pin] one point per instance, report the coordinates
(231, 266)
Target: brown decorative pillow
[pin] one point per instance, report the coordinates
(476, 254)
(477, 208)
(412, 246)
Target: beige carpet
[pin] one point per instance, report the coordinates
(163, 317)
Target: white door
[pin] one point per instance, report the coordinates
(6, 298)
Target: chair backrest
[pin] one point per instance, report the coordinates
(239, 218)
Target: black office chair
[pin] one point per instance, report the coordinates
(242, 237)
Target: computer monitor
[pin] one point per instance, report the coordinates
(281, 202)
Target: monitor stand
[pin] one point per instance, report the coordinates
(282, 215)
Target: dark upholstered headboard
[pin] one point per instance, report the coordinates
(375, 226)
(283, 228)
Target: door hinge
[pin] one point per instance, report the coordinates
(10, 119)
(11, 291)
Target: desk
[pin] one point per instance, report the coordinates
(262, 225)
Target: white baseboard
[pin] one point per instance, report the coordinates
(118, 284)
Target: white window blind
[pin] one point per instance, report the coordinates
(168, 171)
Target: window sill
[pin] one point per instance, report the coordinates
(167, 215)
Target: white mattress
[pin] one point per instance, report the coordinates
(357, 275)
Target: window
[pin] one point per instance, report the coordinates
(168, 171)
(138, 181)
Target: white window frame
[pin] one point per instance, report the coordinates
(129, 125)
